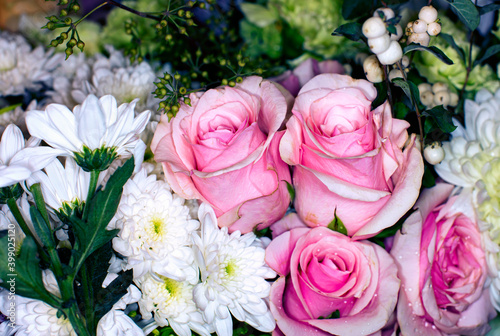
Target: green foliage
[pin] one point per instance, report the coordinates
(442, 117)
(492, 50)
(337, 225)
(25, 269)
(291, 191)
(451, 41)
(351, 30)
(432, 49)
(466, 12)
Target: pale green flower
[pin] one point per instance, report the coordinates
(315, 20)
(436, 71)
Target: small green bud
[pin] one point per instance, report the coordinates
(189, 14)
(72, 42)
(241, 63)
(175, 109)
(63, 2)
(239, 79)
(232, 83)
(182, 90)
(202, 5)
(162, 105)
(222, 62)
(190, 3)
(54, 43)
(167, 77)
(184, 59)
(69, 52)
(64, 12)
(187, 101)
(80, 45)
(177, 76)
(194, 75)
(68, 21)
(51, 26)
(53, 18)
(75, 7)
(190, 22)
(163, 23)
(140, 59)
(182, 30)
(168, 37)
(224, 82)
(128, 31)
(158, 26)
(204, 74)
(163, 92)
(181, 12)
(64, 35)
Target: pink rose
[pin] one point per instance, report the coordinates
(330, 284)
(294, 80)
(442, 268)
(223, 149)
(349, 160)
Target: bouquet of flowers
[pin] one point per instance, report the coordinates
(231, 168)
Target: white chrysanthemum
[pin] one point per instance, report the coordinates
(155, 229)
(19, 159)
(97, 123)
(16, 116)
(171, 303)
(62, 184)
(23, 68)
(116, 322)
(233, 273)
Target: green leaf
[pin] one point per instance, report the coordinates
(442, 117)
(429, 125)
(23, 270)
(488, 8)
(107, 297)
(351, 30)
(9, 108)
(401, 110)
(337, 225)
(451, 41)
(291, 191)
(259, 15)
(409, 88)
(428, 181)
(433, 50)
(494, 49)
(41, 227)
(466, 12)
(333, 315)
(92, 234)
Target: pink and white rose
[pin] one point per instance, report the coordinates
(223, 149)
(442, 268)
(349, 160)
(324, 273)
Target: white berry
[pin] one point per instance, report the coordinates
(439, 86)
(374, 27)
(442, 98)
(373, 71)
(409, 28)
(423, 87)
(427, 98)
(453, 99)
(395, 73)
(405, 61)
(419, 26)
(391, 55)
(388, 13)
(422, 39)
(399, 33)
(434, 153)
(433, 28)
(379, 44)
(428, 14)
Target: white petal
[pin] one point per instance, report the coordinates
(91, 122)
(11, 143)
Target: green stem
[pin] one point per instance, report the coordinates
(88, 296)
(94, 177)
(74, 317)
(92, 11)
(131, 10)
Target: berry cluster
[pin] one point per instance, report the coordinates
(420, 31)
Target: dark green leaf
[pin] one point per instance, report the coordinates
(488, 8)
(337, 225)
(409, 88)
(351, 30)
(451, 41)
(494, 49)
(428, 181)
(41, 228)
(442, 117)
(433, 50)
(24, 270)
(92, 234)
(291, 191)
(107, 297)
(466, 12)
(401, 110)
(429, 125)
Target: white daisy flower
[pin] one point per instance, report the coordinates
(171, 303)
(96, 126)
(23, 68)
(233, 273)
(116, 322)
(19, 159)
(155, 229)
(65, 187)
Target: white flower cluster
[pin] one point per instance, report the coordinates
(193, 275)
(472, 161)
(420, 31)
